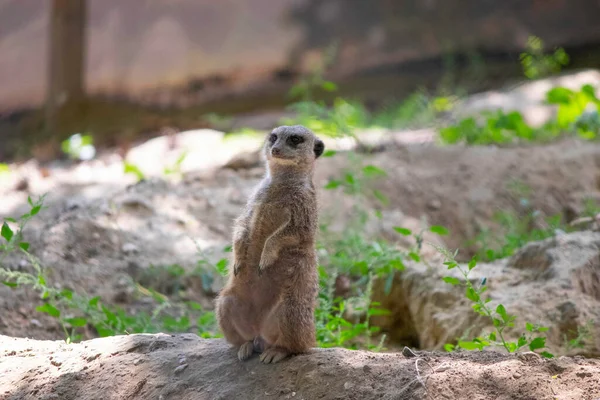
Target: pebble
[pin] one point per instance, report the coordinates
(129, 248)
(180, 368)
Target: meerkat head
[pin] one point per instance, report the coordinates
(292, 146)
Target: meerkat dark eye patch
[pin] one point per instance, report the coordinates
(295, 140)
(273, 138)
(319, 148)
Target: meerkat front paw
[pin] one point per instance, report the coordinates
(266, 260)
(236, 267)
(273, 355)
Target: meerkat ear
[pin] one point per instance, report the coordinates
(319, 147)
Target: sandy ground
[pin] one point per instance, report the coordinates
(186, 367)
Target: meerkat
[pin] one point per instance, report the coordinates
(267, 305)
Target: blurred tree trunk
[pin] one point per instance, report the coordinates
(66, 57)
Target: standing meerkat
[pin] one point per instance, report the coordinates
(268, 303)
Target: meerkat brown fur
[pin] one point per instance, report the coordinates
(268, 303)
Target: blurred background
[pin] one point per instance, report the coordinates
(121, 69)
(471, 124)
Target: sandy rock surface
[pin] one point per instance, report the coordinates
(187, 367)
(553, 283)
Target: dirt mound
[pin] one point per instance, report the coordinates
(553, 283)
(99, 239)
(187, 367)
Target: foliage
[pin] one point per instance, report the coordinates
(79, 147)
(579, 338)
(499, 127)
(499, 316)
(4, 168)
(572, 113)
(129, 168)
(74, 311)
(515, 232)
(537, 64)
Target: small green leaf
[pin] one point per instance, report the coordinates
(449, 347)
(329, 86)
(24, 246)
(221, 266)
(77, 322)
(329, 153)
(397, 264)
(41, 280)
(537, 343)
(403, 231)
(546, 354)
(6, 232)
(381, 197)
(332, 184)
(440, 230)
(94, 301)
(492, 336)
(49, 309)
(451, 280)
(471, 345)
(522, 341)
(529, 326)
(378, 311)
(132, 169)
(414, 256)
(502, 312)
(471, 294)
(10, 284)
(473, 263)
(389, 282)
(511, 347)
(35, 210)
(451, 264)
(67, 294)
(371, 170)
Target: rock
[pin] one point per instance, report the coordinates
(245, 160)
(129, 248)
(217, 373)
(554, 283)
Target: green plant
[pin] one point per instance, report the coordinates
(176, 168)
(537, 64)
(572, 115)
(303, 90)
(79, 147)
(129, 168)
(578, 339)
(342, 119)
(515, 231)
(74, 311)
(498, 127)
(417, 110)
(4, 169)
(500, 318)
(332, 328)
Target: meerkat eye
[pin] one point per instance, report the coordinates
(295, 139)
(273, 138)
